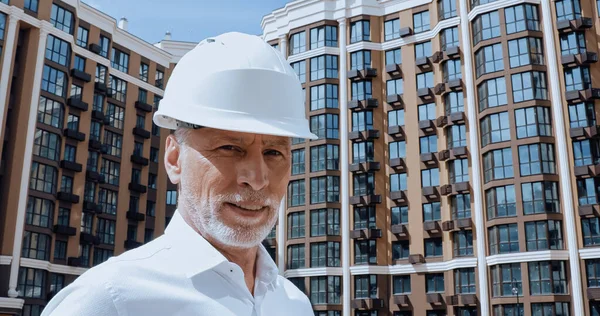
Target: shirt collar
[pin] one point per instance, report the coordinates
(195, 254)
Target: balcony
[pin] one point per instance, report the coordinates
(362, 74)
(88, 239)
(367, 233)
(363, 104)
(131, 244)
(100, 87)
(427, 126)
(136, 187)
(574, 25)
(468, 299)
(400, 230)
(593, 293)
(399, 197)
(428, 158)
(364, 167)
(396, 131)
(401, 300)
(583, 95)
(94, 176)
(449, 53)
(95, 48)
(435, 298)
(457, 224)
(452, 300)
(73, 134)
(364, 135)
(77, 103)
(424, 93)
(137, 159)
(64, 230)
(457, 188)
(67, 197)
(136, 216)
(406, 31)
(70, 165)
(592, 210)
(81, 75)
(587, 171)
(393, 69)
(398, 164)
(74, 261)
(98, 116)
(451, 85)
(365, 200)
(579, 59)
(431, 193)
(92, 207)
(585, 132)
(95, 145)
(416, 259)
(432, 226)
(138, 131)
(143, 106)
(448, 226)
(395, 99)
(368, 303)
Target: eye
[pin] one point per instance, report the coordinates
(273, 153)
(230, 148)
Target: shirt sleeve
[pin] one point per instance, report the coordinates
(83, 299)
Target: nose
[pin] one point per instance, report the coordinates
(253, 171)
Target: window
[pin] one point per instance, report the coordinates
(82, 37)
(296, 193)
(588, 191)
(106, 231)
(567, 10)
(533, 121)
(457, 136)
(492, 93)
(530, 85)
(86, 222)
(392, 29)
(362, 121)
(360, 60)
(296, 225)
(401, 284)
(586, 152)
(136, 176)
(66, 184)
(365, 251)
(54, 81)
(150, 208)
(111, 171)
(62, 19)
(433, 247)
(85, 251)
(118, 89)
(495, 128)
(363, 152)
(360, 31)
(297, 43)
(421, 22)
(525, 51)
(144, 70)
(536, 159)
(325, 126)
(154, 153)
(503, 239)
(501, 202)
(108, 200)
(464, 280)
(509, 310)
(120, 60)
(104, 45)
(489, 59)
(140, 121)
(393, 57)
(116, 115)
(79, 63)
(572, 43)
(365, 286)
(425, 80)
(323, 36)
(36, 246)
(324, 189)
(300, 68)
(430, 177)
(76, 92)
(50, 113)
(295, 256)
(395, 86)
(101, 255)
(98, 104)
(325, 66)
(58, 51)
(40, 212)
(148, 235)
(446, 9)
(577, 78)
(364, 184)
(90, 192)
(298, 161)
(423, 50)
(43, 178)
(454, 102)
(60, 250)
(299, 283)
(543, 235)
(428, 144)
(460, 206)
(593, 273)
(101, 72)
(158, 79)
(540, 197)
(155, 130)
(434, 283)
(364, 217)
(324, 157)
(46, 145)
(325, 222)
(432, 212)
(400, 250)
(451, 70)
(521, 18)
(503, 276)
(582, 115)
(325, 254)
(325, 290)
(498, 164)
(64, 216)
(324, 96)
(92, 162)
(427, 112)
(485, 27)
(449, 37)
(73, 122)
(591, 231)
(397, 150)
(551, 309)
(398, 182)
(32, 283)
(459, 170)
(114, 142)
(547, 278)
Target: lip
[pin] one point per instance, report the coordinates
(245, 212)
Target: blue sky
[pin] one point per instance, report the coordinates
(188, 20)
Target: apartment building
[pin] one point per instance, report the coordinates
(81, 175)
(457, 170)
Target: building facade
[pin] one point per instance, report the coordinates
(457, 170)
(81, 174)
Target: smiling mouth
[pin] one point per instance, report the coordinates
(248, 208)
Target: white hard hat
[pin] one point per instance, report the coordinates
(235, 82)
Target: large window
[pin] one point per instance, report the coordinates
(118, 89)
(463, 243)
(433, 247)
(365, 251)
(586, 152)
(492, 93)
(106, 231)
(360, 31)
(363, 152)
(593, 273)
(296, 193)
(297, 43)
(365, 286)
(454, 102)
(567, 10)
(421, 22)
(395, 86)
(300, 69)
(396, 118)
(459, 170)
(428, 144)
(449, 37)
(552, 309)
(32, 283)
(82, 37)
(296, 257)
(120, 60)
(325, 126)
(501, 202)
(434, 283)
(432, 212)
(158, 81)
(31, 5)
(495, 128)
(572, 43)
(325, 254)
(324, 157)
(391, 29)
(504, 278)
(362, 121)
(116, 115)
(503, 239)
(451, 70)
(296, 225)
(497, 164)
(360, 60)
(101, 255)
(533, 121)
(457, 136)
(582, 115)
(361, 90)
(591, 231)
(325, 66)
(364, 217)
(486, 26)
(430, 177)
(446, 9)
(325, 290)
(427, 112)
(577, 78)
(401, 284)
(323, 36)
(40, 212)
(36, 246)
(400, 250)
(298, 161)
(543, 235)
(58, 51)
(111, 171)
(536, 159)
(144, 70)
(43, 178)
(325, 222)
(529, 86)
(393, 57)
(521, 18)
(62, 19)
(324, 189)
(540, 197)
(465, 281)
(54, 81)
(46, 145)
(489, 59)
(398, 182)
(108, 200)
(547, 278)
(364, 184)
(509, 310)
(324, 96)
(397, 149)
(423, 50)
(588, 191)
(525, 51)
(114, 142)
(461, 206)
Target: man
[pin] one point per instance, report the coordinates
(234, 103)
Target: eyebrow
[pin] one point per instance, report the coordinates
(277, 142)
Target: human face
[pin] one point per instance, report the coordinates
(232, 183)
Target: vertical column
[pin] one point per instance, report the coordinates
(475, 159)
(563, 159)
(344, 154)
(9, 46)
(24, 185)
(282, 217)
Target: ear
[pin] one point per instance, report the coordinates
(172, 155)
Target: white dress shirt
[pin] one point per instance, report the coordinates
(178, 274)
